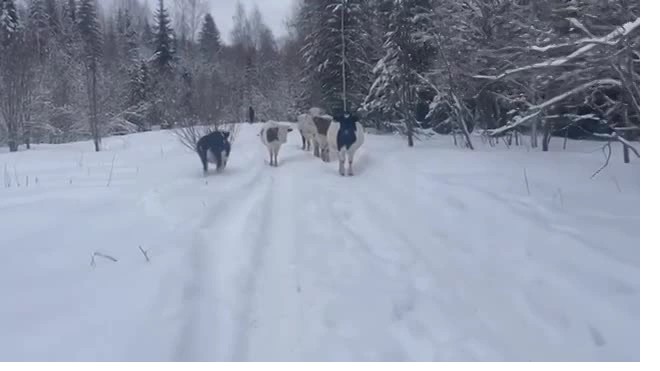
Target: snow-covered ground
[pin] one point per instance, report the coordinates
(431, 253)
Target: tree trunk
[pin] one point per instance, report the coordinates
(626, 135)
(95, 124)
(12, 140)
(27, 132)
(535, 133)
(547, 135)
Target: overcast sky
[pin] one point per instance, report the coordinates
(274, 14)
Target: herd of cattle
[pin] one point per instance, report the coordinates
(341, 134)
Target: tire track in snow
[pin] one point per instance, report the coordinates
(205, 305)
(268, 319)
(201, 298)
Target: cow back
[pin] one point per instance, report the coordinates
(322, 124)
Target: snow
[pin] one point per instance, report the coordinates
(427, 254)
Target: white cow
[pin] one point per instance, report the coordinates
(273, 135)
(345, 137)
(307, 130)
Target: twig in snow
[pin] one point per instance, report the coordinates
(114, 260)
(108, 257)
(145, 253)
(616, 182)
(7, 177)
(18, 182)
(529, 192)
(561, 197)
(112, 169)
(608, 155)
(617, 137)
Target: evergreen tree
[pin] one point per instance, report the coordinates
(147, 36)
(163, 38)
(13, 72)
(53, 14)
(130, 38)
(398, 91)
(337, 51)
(90, 34)
(209, 39)
(38, 26)
(71, 11)
(8, 21)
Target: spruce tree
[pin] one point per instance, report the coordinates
(209, 39)
(410, 52)
(71, 10)
(38, 26)
(163, 38)
(90, 34)
(53, 14)
(337, 51)
(8, 21)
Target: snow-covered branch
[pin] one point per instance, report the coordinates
(609, 39)
(539, 108)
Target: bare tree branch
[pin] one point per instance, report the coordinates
(556, 62)
(539, 108)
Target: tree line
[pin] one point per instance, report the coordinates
(549, 68)
(569, 68)
(72, 70)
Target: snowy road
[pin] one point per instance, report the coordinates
(428, 254)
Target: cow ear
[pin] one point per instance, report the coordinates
(289, 130)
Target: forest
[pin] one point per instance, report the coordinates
(496, 70)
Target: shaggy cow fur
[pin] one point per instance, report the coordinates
(214, 148)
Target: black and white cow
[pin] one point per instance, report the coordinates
(321, 148)
(345, 136)
(214, 148)
(273, 135)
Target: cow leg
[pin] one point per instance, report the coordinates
(204, 159)
(351, 156)
(342, 160)
(317, 150)
(218, 161)
(270, 153)
(304, 142)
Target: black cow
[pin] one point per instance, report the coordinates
(214, 148)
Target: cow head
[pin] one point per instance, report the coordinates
(346, 119)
